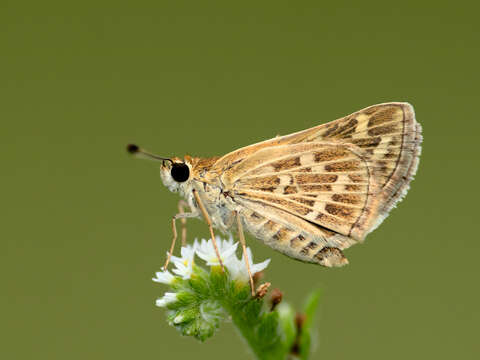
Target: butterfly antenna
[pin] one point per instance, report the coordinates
(143, 154)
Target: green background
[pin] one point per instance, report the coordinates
(84, 226)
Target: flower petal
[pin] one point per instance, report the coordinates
(229, 251)
(167, 298)
(255, 268)
(163, 277)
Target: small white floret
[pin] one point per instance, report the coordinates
(163, 277)
(238, 268)
(184, 264)
(167, 298)
(206, 250)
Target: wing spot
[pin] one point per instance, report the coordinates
(347, 198)
(304, 201)
(382, 130)
(286, 164)
(350, 165)
(356, 178)
(316, 178)
(330, 154)
(390, 155)
(338, 210)
(255, 215)
(270, 225)
(343, 128)
(367, 142)
(327, 219)
(261, 181)
(297, 240)
(268, 189)
(371, 110)
(382, 116)
(331, 129)
(282, 234)
(316, 188)
(331, 256)
(289, 190)
(311, 246)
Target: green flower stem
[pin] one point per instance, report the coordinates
(261, 346)
(260, 329)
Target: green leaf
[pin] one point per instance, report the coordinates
(267, 330)
(305, 336)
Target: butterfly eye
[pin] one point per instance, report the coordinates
(180, 172)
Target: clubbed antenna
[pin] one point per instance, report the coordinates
(141, 153)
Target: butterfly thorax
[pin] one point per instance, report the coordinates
(216, 197)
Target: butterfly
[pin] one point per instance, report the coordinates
(309, 195)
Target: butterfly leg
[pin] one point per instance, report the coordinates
(210, 225)
(182, 204)
(245, 254)
(174, 230)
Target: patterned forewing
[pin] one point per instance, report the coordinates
(389, 138)
(386, 136)
(385, 133)
(322, 183)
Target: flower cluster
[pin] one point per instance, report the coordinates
(199, 296)
(184, 265)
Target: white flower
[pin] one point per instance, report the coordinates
(163, 277)
(167, 298)
(238, 268)
(184, 264)
(254, 268)
(206, 251)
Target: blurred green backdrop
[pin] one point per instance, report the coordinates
(84, 226)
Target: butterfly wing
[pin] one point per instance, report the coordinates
(389, 138)
(323, 183)
(386, 136)
(302, 199)
(325, 188)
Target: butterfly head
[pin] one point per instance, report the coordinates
(174, 172)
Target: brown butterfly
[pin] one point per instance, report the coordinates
(310, 194)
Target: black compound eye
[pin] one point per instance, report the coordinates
(180, 172)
